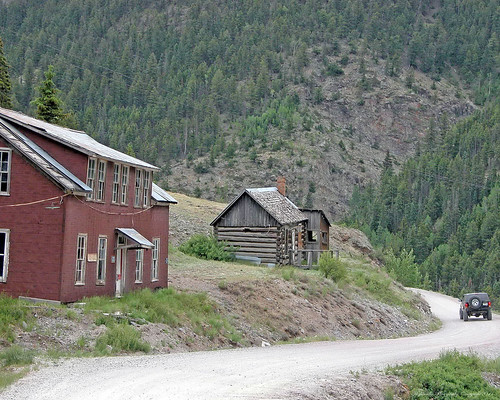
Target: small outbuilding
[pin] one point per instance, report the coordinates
(262, 224)
(317, 234)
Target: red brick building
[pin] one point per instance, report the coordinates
(77, 218)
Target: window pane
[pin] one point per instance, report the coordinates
(3, 236)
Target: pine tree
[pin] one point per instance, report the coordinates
(5, 87)
(48, 105)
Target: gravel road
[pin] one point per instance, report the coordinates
(252, 373)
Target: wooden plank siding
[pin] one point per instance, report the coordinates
(253, 242)
(246, 212)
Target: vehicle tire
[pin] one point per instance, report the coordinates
(461, 314)
(466, 317)
(475, 303)
(489, 315)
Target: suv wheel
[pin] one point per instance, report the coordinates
(466, 316)
(461, 314)
(489, 315)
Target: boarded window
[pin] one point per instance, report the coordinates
(4, 254)
(154, 259)
(5, 156)
(81, 251)
(139, 262)
(101, 259)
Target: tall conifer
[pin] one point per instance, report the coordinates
(5, 86)
(48, 104)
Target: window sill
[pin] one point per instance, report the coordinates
(154, 280)
(138, 282)
(100, 283)
(79, 284)
(4, 194)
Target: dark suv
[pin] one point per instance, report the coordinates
(476, 304)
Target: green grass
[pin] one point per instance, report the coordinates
(12, 313)
(121, 338)
(10, 360)
(453, 376)
(166, 306)
(8, 376)
(17, 356)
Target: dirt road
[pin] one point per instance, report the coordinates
(252, 373)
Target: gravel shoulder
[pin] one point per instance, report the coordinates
(277, 372)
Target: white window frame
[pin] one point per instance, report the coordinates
(124, 184)
(138, 187)
(91, 171)
(4, 257)
(5, 173)
(146, 183)
(102, 253)
(155, 255)
(139, 264)
(101, 180)
(115, 198)
(81, 258)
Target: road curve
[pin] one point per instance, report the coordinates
(252, 373)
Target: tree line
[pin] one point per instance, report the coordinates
(170, 81)
(438, 219)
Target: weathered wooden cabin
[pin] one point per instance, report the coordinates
(317, 233)
(262, 224)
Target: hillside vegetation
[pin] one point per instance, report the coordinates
(319, 90)
(439, 218)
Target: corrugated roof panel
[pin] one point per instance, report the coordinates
(136, 237)
(77, 140)
(42, 159)
(160, 195)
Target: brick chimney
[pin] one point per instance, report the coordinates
(281, 184)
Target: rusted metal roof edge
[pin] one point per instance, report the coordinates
(42, 160)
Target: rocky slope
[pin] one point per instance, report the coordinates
(364, 114)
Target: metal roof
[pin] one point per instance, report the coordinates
(74, 139)
(42, 160)
(159, 195)
(140, 241)
(281, 208)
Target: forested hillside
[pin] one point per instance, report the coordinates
(225, 94)
(439, 218)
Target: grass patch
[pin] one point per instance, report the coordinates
(121, 338)
(17, 356)
(12, 313)
(9, 376)
(163, 306)
(452, 376)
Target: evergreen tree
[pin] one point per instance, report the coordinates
(48, 104)
(5, 87)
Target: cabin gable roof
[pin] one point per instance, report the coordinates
(271, 201)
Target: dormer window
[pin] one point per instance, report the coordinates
(5, 156)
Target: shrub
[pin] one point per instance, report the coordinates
(331, 267)
(121, 338)
(206, 247)
(16, 355)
